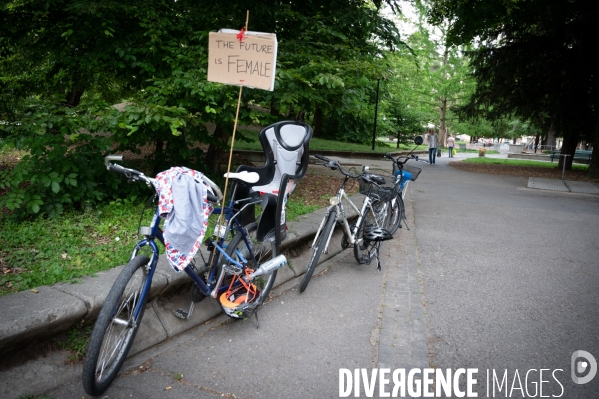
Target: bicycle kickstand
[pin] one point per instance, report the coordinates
(378, 261)
(406, 224)
(403, 218)
(257, 321)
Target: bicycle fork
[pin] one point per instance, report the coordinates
(331, 212)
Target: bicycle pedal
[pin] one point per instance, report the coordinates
(231, 269)
(181, 314)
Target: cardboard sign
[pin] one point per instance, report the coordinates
(250, 62)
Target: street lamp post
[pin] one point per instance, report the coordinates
(376, 109)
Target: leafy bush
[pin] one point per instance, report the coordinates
(62, 166)
(62, 162)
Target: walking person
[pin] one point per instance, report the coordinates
(450, 145)
(433, 141)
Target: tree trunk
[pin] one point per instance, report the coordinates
(594, 166)
(551, 141)
(273, 108)
(537, 137)
(442, 132)
(568, 147)
(73, 98)
(318, 122)
(214, 154)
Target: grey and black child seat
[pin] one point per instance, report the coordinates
(286, 152)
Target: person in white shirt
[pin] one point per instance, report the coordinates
(450, 145)
(433, 141)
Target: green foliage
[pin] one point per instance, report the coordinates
(296, 207)
(156, 56)
(62, 164)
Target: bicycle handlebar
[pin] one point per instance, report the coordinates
(369, 177)
(334, 165)
(135, 175)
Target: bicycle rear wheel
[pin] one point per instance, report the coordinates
(321, 241)
(238, 250)
(115, 328)
(364, 250)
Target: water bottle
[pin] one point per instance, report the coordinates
(269, 266)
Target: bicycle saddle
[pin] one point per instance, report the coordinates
(245, 176)
(374, 179)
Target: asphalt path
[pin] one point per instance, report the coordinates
(510, 278)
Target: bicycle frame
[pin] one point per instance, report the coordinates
(213, 286)
(341, 211)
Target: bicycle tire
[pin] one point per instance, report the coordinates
(396, 214)
(263, 251)
(110, 341)
(363, 250)
(318, 248)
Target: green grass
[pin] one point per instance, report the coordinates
(77, 244)
(521, 162)
(321, 144)
(44, 252)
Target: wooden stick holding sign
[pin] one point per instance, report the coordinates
(241, 58)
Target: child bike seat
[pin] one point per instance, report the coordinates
(286, 152)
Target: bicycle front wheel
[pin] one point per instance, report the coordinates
(364, 250)
(115, 328)
(395, 215)
(319, 245)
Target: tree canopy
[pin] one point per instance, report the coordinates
(535, 59)
(63, 63)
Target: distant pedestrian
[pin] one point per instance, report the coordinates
(433, 142)
(450, 145)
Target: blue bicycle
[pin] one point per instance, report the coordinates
(240, 272)
(402, 175)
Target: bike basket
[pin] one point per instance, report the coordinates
(414, 170)
(385, 192)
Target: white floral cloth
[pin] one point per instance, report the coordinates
(182, 201)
